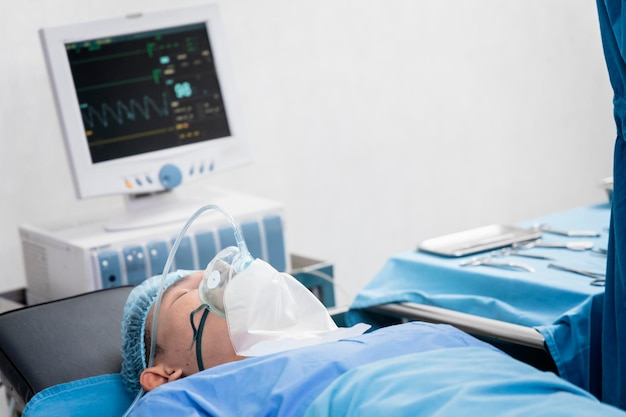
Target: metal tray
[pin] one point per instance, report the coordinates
(478, 240)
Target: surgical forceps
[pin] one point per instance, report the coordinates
(581, 245)
(571, 233)
(598, 278)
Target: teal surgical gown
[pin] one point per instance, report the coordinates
(613, 362)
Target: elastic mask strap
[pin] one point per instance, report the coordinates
(197, 333)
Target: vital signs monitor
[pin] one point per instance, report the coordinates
(147, 102)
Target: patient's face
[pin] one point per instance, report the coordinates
(175, 334)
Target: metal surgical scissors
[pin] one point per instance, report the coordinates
(486, 261)
(516, 252)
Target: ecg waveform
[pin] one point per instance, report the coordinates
(122, 112)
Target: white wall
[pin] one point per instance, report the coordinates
(378, 123)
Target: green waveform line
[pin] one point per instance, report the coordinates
(107, 57)
(115, 83)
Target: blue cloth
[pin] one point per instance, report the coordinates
(613, 26)
(561, 305)
(454, 382)
(396, 371)
(102, 396)
(285, 384)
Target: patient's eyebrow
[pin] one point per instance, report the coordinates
(179, 282)
(175, 285)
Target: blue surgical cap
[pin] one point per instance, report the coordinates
(136, 309)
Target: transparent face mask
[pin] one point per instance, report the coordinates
(219, 272)
(270, 311)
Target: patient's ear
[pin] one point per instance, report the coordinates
(157, 375)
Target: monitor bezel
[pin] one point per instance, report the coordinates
(127, 175)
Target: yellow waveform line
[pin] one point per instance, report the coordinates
(133, 136)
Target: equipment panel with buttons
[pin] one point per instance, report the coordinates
(133, 263)
(62, 262)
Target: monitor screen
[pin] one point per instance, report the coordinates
(147, 91)
(146, 102)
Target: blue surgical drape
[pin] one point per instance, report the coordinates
(612, 25)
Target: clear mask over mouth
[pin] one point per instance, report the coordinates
(220, 271)
(267, 311)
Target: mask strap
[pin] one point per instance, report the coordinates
(197, 333)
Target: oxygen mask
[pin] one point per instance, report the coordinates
(267, 311)
(220, 271)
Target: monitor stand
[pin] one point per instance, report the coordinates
(156, 209)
